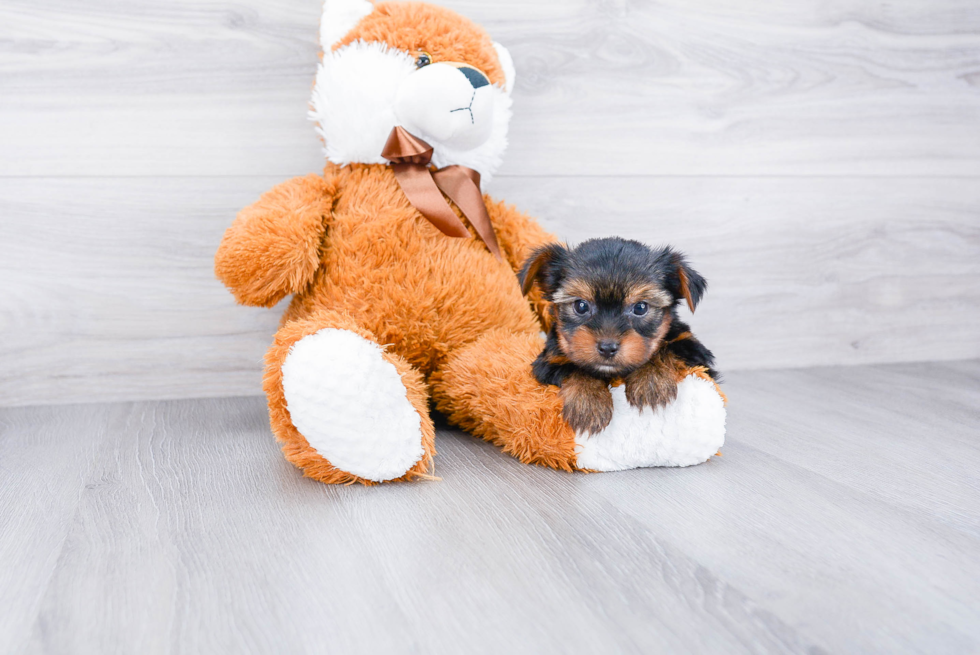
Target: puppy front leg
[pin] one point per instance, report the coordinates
(587, 403)
(652, 385)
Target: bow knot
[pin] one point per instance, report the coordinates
(403, 147)
(410, 157)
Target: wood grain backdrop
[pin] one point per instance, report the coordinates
(819, 161)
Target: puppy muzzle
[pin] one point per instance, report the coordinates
(447, 103)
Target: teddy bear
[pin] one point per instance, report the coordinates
(403, 274)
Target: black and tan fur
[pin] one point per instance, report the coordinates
(613, 318)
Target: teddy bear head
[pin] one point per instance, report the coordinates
(424, 68)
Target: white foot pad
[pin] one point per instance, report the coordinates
(688, 431)
(351, 406)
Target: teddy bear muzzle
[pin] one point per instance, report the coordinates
(447, 103)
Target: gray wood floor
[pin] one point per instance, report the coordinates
(842, 517)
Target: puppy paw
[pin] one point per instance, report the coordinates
(652, 385)
(587, 403)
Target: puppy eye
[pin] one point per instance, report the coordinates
(640, 308)
(424, 59)
(581, 307)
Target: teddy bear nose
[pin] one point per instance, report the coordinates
(607, 348)
(475, 77)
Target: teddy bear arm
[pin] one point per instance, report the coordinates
(519, 235)
(272, 248)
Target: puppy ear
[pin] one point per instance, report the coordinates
(684, 282)
(544, 266)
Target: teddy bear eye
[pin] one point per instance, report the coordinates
(424, 59)
(581, 307)
(640, 308)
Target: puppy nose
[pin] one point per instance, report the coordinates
(607, 348)
(475, 77)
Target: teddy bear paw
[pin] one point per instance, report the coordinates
(686, 431)
(351, 405)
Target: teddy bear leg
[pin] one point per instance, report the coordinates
(487, 389)
(343, 408)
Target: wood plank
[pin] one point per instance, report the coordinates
(205, 540)
(667, 88)
(839, 458)
(46, 466)
(908, 465)
(802, 272)
(110, 295)
(110, 291)
(193, 535)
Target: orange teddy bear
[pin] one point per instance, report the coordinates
(399, 297)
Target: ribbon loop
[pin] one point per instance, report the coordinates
(463, 186)
(410, 157)
(403, 147)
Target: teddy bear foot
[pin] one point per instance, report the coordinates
(688, 431)
(346, 410)
(488, 388)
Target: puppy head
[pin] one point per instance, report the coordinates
(415, 65)
(613, 299)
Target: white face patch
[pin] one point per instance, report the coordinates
(354, 98)
(438, 103)
(354, 106)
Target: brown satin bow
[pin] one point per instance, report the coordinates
(410, 157)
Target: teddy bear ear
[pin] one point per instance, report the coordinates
(339, 17)
(507, 64)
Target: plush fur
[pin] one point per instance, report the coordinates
(444, 34)
(440, 314)
(679, 434)
(359, 77)
(295, 446)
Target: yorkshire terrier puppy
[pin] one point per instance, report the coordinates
(613, 318)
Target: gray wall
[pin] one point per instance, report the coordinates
(818, 160)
